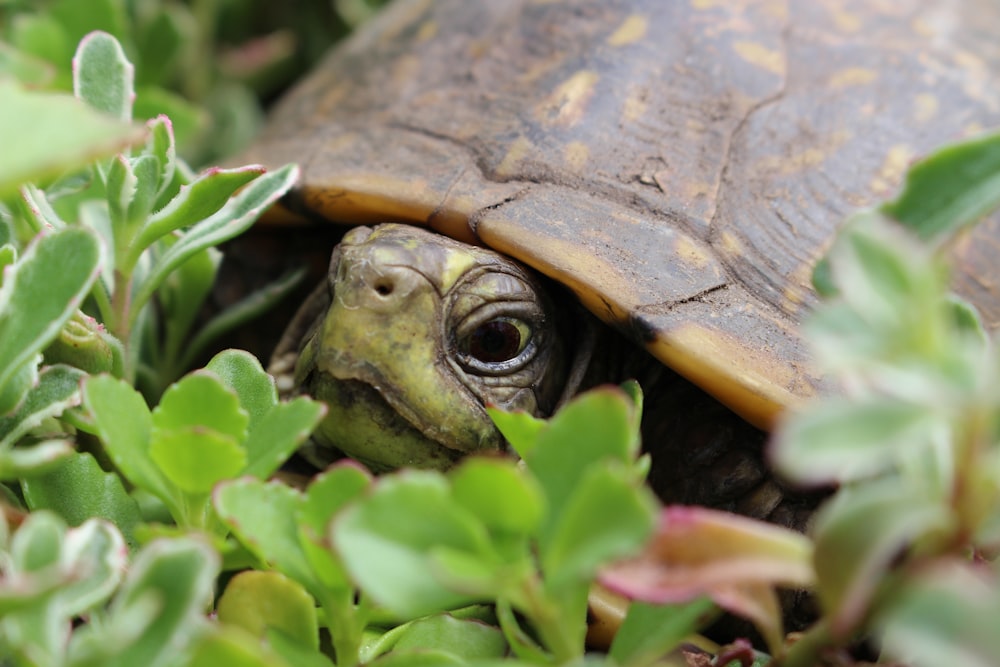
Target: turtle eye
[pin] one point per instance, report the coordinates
(496, 341)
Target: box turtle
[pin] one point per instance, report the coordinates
(676, 167)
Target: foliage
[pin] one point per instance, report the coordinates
(120, 517)
(206, 64)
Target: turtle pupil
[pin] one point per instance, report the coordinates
(495, 341)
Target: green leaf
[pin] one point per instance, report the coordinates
(387, 538)
(280, 434)
(594, 429)
(200, 400)
(650, 631)
(857, 537)
(123, 423)
(499, 494)
(233, 218)
(466, 639)
(103, 76)
(607, 516)
(520, 429)
(195, 460)
(79, 489)
(232, 647)
(242, 373)
(261, 514)
(58, 388)
(41, 292)
(261, 601)
(951, 189)
(326, 495)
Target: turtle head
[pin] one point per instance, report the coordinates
(412, 336)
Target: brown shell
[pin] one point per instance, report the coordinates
(680, 164)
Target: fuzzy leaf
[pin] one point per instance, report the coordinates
(858, 535)
(233, 218)
(195, 202)
(41, 292)
(103, 76)
(58, 388)
(46, 134)
(946, 615)
(840, 440)
(177, 576)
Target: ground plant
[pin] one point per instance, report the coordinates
(144, 520)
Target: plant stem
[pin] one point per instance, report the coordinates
(806, 652)
(346, 623)
(552, 623)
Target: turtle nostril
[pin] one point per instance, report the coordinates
(383, 287)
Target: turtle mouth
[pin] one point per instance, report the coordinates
(362, 424)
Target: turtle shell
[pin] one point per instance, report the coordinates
(679, 165)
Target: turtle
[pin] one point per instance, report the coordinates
(571, 192)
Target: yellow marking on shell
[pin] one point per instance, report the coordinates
(730, 244)
(750, 380)
(576, 154)
(635, 105)
(798, 287)
(405, 69)
(427, 31)
(695, 253)
(970, 129)
(519, 149)
(759, 55)
(890, 174)
(852, 76)
(568, 102)
(923, 27)
(708, 4)
(630, 31)
(925, 107)
(845, 20)
(806, 158)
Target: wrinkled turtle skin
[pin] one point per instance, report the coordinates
(676, 166)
